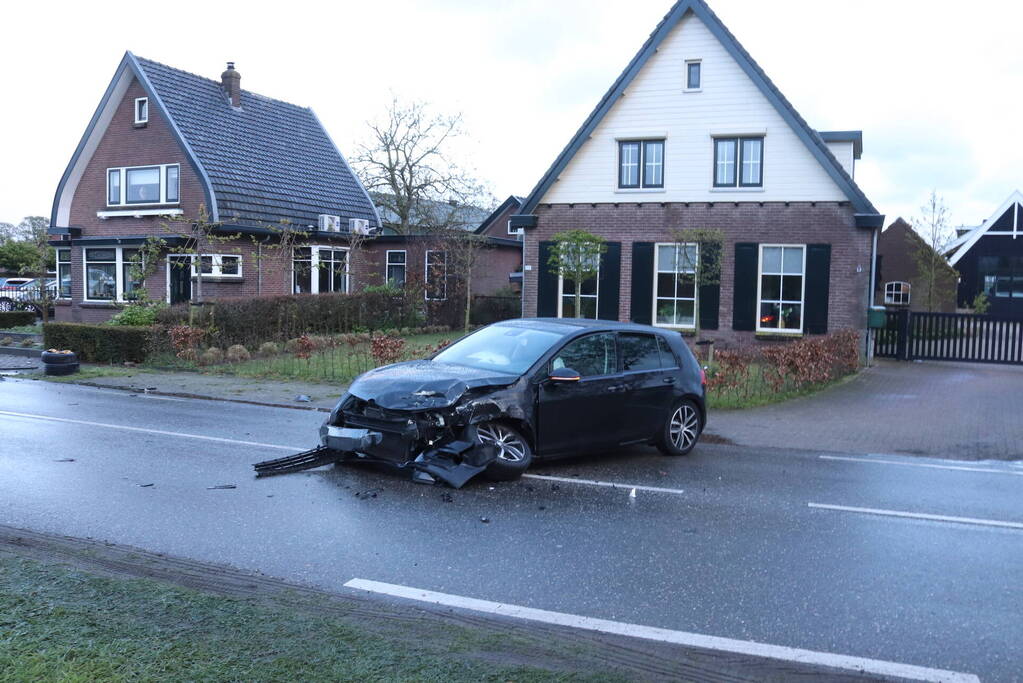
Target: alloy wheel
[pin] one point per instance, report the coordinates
(684, 427)
(509, 445)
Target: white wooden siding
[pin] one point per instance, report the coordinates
(843, 151)
(729, 103)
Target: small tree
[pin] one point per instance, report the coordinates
(465, 250)
(934, 274)
(703, 264)
(43, 260)
(576, 256)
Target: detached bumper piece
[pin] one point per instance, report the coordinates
(306, 460)
(454, 463)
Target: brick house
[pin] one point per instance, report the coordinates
(164, 143)
(900, 284)
(693, 134)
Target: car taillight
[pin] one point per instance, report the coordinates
(703, 377)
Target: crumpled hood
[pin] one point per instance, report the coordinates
(423, 384)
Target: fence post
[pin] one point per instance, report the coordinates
(902, 349)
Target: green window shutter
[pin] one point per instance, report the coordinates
(744, 303)
(642, 307)
(710, 294)
(546, 285)
(610, 282)
(818, 288)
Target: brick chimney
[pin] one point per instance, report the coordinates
(231, 82)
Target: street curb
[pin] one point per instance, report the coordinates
(181, 394)
(20, 351)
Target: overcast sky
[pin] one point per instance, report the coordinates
(935, 85)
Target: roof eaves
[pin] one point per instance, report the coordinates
(510, 201)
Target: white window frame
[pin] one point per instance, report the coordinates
(218, 266)
(426, 274)
(314, 265)
(905, 292)
(66, 264)
(685, 75)
(696, 288)
(781, 301)
(118, 274)
(388, 264)
(595, 297)
(123, 179)
(144, 101)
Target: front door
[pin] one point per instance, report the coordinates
(180, 275)
(575, 417)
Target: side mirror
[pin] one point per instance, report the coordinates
(564, 375)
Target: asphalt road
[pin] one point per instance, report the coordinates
(785, 548)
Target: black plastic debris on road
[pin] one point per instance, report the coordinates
(145, 486)
(302, 398)
(221, 487)
(368, 493)
(65, 460)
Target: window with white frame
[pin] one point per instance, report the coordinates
(395, 268)
(111, 273)
(141, 110)
(589, 295)
(897, 293)
(640, 164)
(781, 288)
(319, 270)
(436, 275)
(675, 285)
(136, 185)
(739, 162)
(219, 265)
(693, 74)
(63, 273)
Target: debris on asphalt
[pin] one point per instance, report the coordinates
(555, 487)
(302, 398)
(145, 486)
(368, 493)
(447, 498)
(485, 520)
(221, 486)
(542, 507)
(632, 493)
(65, 460)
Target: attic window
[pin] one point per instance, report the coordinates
(141, 110)
(693, 74)
(897, 293)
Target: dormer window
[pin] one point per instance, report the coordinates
(140, 185)
(693, 74)
(141, 110)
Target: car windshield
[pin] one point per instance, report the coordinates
(506, 349)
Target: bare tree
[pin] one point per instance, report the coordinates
(576, 258)
(407, 164)
(464, 253)
(933, 271)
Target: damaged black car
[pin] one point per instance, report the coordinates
(516, 391)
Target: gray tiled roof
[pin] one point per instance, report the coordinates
(432, 214)
(267, 161)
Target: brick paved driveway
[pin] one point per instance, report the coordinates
(948, 410)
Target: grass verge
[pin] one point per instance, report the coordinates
(63, 624)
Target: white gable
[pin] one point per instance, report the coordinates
(656, 106)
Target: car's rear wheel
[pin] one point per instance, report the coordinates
(681, 430)
(513, 452)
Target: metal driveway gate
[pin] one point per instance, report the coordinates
(950, 336)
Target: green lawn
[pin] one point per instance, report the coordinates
(61, 624)
(338, 364)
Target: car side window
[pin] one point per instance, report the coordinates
(668, 359)
(590, 356)
(639, 352)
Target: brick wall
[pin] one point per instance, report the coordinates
(770, 222)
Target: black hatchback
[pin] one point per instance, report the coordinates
(520, 390)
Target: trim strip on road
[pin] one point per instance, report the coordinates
(161, 432)
(880, 461)
(605, 484)
(919, 515)
(744, 647)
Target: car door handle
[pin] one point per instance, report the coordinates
(668, 380)
(616, 388)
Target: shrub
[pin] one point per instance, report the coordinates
(981, 305)
(502, 305)
(101, 343)
(6, 341)
(27, 343)
(238, 354)
(186, 339)
(211, 356)
(16, 318)
(268, 349)
(138, 314)
(387, 349)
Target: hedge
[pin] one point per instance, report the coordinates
(16, 318)
(101, 343)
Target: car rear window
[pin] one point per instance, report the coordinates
(639, 352)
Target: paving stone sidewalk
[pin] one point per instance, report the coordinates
(965, 411)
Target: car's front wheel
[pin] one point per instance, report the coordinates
(513, 452)
(681, 430)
